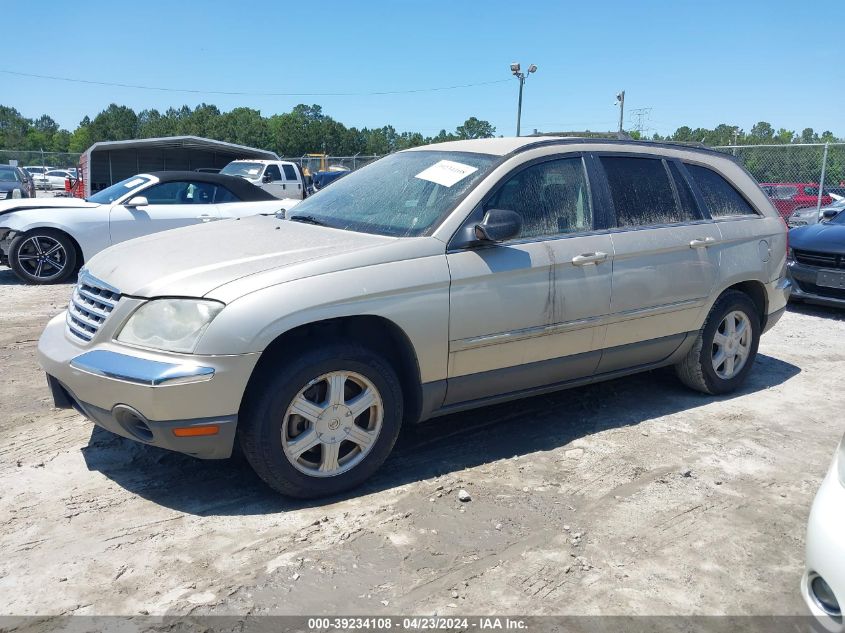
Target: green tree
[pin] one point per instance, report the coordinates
(475, 128)
(115, 123)
(80, 140)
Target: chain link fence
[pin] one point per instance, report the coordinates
(314, 163)
(58, 160)
(811, 164)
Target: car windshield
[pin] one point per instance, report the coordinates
(403, 194)
(110, 194)
(247, 170)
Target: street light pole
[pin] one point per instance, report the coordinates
(516, 72)
(620, 99)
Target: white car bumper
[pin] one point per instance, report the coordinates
(826, 549)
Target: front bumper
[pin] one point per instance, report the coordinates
(805, 288)
(826, 547)
(146, 395)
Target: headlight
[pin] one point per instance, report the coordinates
(840, 458)
(173, 325)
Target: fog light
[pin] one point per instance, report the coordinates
(824, 597)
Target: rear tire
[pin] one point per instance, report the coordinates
(43, 256)
(724, 351)
(295, 403)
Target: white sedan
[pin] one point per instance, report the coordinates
(823, 584)
(53, 179)
(46, 240)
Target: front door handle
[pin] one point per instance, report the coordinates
(702, 242)
(589, 258)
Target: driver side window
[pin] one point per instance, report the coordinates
(552, 197)
(180, 192)
(273, 173)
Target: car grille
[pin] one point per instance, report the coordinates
(91, 304)
(822, 291)
(819, 260)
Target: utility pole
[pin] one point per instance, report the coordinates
(521, 76)
(620, 99)
(642, 116)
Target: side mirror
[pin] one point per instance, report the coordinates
(498, 225)
(137, 201)
(267, 178)
(829, 214)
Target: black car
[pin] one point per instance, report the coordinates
(15, 183)
(816, 261)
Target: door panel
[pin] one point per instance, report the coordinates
(665, 260)
(126, 223)
(528, 313)
(172, 205)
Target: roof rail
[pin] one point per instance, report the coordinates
(694, 145)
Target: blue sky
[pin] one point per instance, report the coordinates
(693, 63)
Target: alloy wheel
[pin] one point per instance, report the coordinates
(42, 257)
(332, 424)
(731, 344)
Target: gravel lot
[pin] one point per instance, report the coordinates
(634, 496)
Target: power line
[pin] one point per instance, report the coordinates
(252, 94)
(643, 117)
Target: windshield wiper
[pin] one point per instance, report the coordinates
(308, 219)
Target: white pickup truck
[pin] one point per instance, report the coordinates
(280, 178)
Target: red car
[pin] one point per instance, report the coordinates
(788, 196)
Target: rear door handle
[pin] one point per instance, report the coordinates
(702, 242)
(589, 258)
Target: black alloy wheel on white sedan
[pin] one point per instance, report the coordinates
(42, 256)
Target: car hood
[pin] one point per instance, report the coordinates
(19, 204)
(193, 261)
(822, 237)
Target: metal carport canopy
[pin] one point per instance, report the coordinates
(108, 162)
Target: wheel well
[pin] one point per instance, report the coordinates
(376, 333)
(76, 246)
(757, 293)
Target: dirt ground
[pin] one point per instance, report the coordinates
(634, 496)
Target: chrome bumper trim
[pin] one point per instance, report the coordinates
(139, 371)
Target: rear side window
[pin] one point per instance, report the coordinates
(685, 196)
(224, 195)
(290, 172)
(719, 195)
(642, 192)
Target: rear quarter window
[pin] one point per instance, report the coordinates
(720, 197)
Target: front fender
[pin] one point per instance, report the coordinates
(412, 294)
(90, 233)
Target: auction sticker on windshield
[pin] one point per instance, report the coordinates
(446, 172)
(134, 183)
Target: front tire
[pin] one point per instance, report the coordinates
(42, 256)
(322, 422)
(724, 351)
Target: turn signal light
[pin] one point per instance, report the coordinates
(196, 431)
